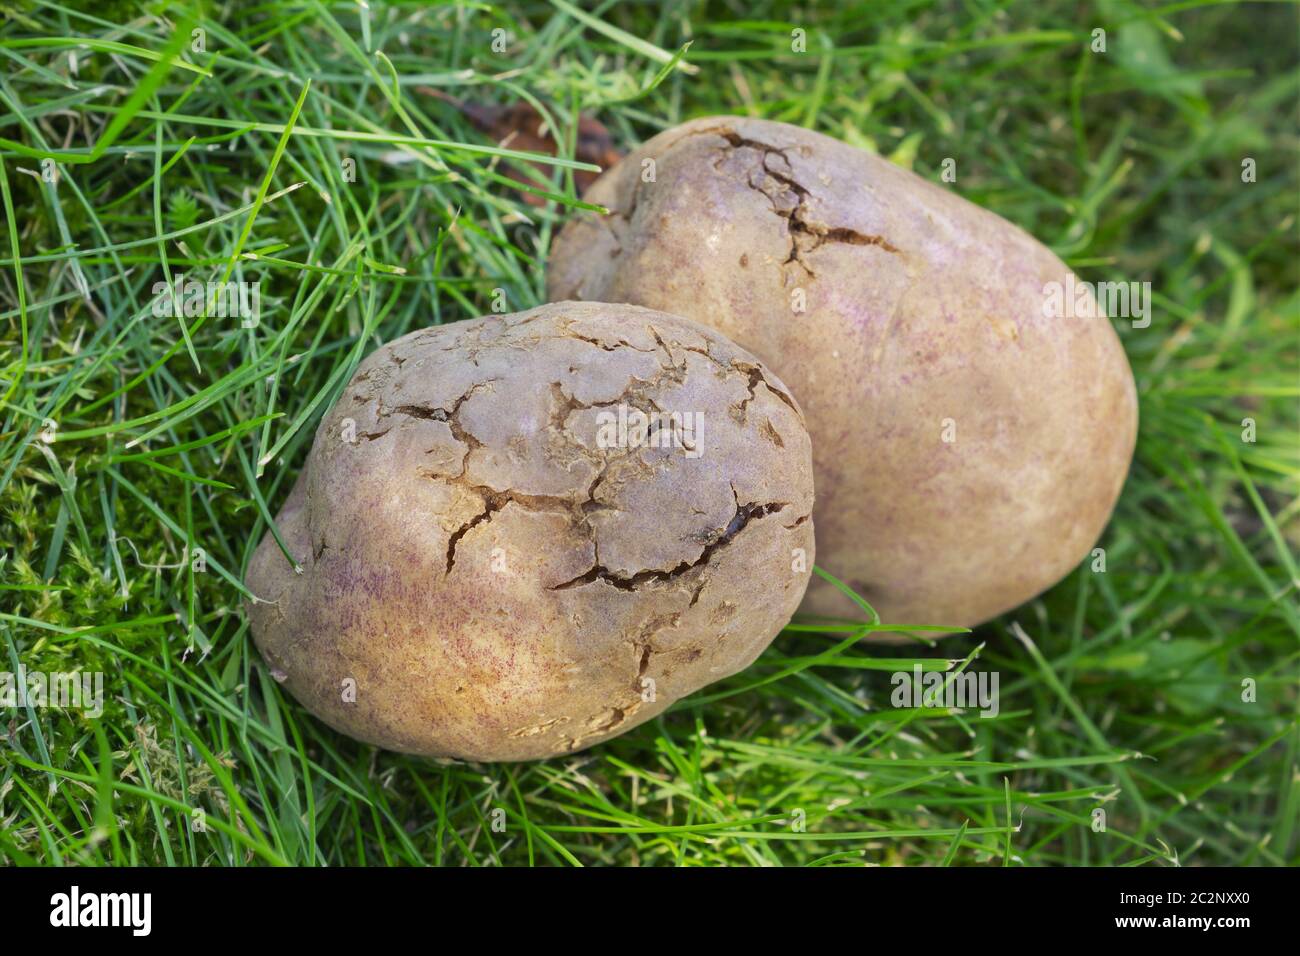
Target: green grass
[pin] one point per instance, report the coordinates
(1120, 691)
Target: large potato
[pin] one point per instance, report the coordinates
(490, 570)
(967, 449)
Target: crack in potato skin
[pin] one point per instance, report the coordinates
(918, 307)
(744, 514)
(800, 228)
(457, 448)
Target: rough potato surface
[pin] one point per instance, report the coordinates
(967, 450)
(494, 583)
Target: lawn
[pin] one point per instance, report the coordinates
(1149, 713)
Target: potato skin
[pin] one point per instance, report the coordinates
(920, 308)
(497, 584)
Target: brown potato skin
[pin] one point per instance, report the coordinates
(920, 307)
(497, 584)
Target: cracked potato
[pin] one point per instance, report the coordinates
(520, 535)
(968, 449)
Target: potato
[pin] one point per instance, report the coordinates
(967, 449)
(497, 562)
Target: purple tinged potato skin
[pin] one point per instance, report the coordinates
(494, 581)
(922, 319)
